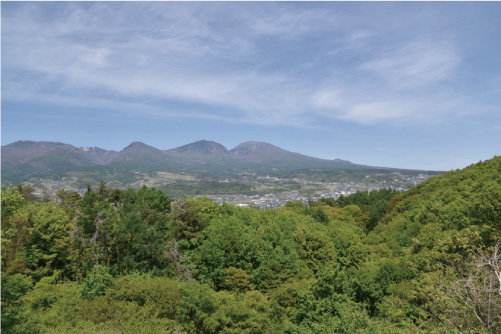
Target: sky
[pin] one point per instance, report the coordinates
(412, 85)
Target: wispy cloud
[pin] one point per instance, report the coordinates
(416, 64)
(405, 84)
(237, 58)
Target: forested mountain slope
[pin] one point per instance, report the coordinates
(29, 161)
(423, 261)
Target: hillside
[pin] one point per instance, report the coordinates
(207, 158)
(263, 152)
(421, 261)
(34, 161)
(99, 155)
(41, 154)
(203, 147)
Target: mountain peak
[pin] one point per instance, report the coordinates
(253, 143)
(202, 146)
(257, 151)
(36, 143)
(202, 156)
(137, 145)
(140, 151)
(24, 150)
(252, 146)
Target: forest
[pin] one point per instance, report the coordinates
(427, 260)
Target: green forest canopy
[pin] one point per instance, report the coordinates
(123, 261)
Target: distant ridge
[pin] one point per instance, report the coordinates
(203, 147)
(22, 160)
(251, 151)
(260, 151)
(99, 155)
(25, 150)
(140, 151)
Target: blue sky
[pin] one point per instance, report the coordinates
(398, 84)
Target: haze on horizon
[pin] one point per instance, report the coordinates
(412, 85)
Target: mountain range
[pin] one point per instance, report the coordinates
(23, 160)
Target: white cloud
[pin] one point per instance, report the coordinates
(292, 24)
(419, 63)
(407, 85)
(207, 55)
(369, 104)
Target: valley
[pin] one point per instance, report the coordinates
(253, 173)
(254, 191)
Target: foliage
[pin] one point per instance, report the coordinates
(122, 261)
(96, 283)
(12, 200)
(13, 288)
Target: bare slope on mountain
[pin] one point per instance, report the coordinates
(99, 155)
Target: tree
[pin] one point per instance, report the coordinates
(48, 249)
(12, 200)
(15, 237)
(478, 286)
(68, 199)
(13, 288)
(141, 230)
(466, 293)
(315, 247)
(189, 218)
(27, 192)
